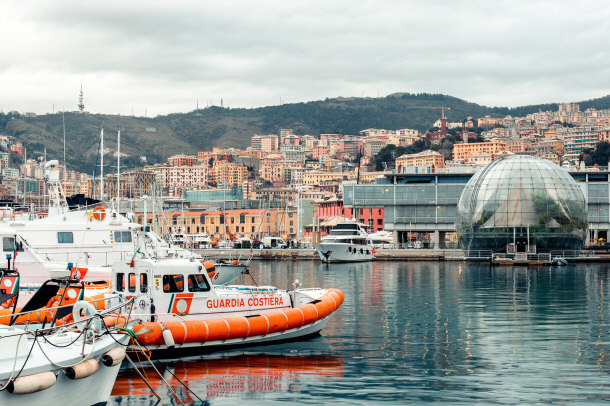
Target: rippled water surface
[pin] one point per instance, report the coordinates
(412, 332)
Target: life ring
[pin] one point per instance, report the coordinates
(53, 302)
(9, 303)
(99, 213)
(90, 312)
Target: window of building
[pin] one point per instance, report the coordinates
(380, 222)
(173, 283)
(242, 218)
(198, 283)
(65, 237)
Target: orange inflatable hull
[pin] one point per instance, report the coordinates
(202, 331)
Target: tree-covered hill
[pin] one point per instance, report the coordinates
(162, 136)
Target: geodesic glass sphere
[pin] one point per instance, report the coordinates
(522, 204)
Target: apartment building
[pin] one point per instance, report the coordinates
(182, 160)
(462, 152)
(228, 174)
(431, 159)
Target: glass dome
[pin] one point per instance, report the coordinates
(522, 204)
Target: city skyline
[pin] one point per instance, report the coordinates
(158, 59)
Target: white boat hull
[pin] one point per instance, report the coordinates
(92, 390)
(225, 274)
(344, 252)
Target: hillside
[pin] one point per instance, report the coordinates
(224, 127)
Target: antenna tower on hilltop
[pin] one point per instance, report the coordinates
(81, 104)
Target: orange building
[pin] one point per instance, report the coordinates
(182, 160)
(462, 152)
(228, 174)
(431, 159)
(225, 224)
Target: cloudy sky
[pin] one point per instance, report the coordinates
(164, 56)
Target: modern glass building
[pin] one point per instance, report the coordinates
(522, 204)
(425, 202)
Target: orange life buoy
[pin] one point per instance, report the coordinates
(9, 303)
(99, 213)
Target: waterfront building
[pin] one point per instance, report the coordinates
(522, 204)
(426, 203)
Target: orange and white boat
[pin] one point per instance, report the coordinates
(183, 310)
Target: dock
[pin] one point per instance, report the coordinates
(398, 255)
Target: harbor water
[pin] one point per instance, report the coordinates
(414, 332)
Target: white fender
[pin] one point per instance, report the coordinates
(83, 369)
(168, 338)
(113, 357)
(32, 383)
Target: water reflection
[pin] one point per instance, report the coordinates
(229, 374)
(427, 331)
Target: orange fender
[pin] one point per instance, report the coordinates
(278, 321)
(324, 308)
(259, 326)
(239, 327)
(154, 337)
(296, 318)
(310, 313)
(219, 329)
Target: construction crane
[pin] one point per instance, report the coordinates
(434, 107)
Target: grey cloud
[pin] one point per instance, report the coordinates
(165, 55)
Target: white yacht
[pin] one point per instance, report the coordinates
(346, 242)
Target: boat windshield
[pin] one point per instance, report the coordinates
(198, 283)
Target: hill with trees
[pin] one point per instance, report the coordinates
(162, 136)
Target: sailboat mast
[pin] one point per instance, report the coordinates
(102, 164)
(118, 169)
(63, 121)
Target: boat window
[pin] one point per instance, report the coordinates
(8, 245)
(122, 236)
(132, 283)
(173, 283)
(120, 282)
(198, 283)
(65, 237)
(143, 283)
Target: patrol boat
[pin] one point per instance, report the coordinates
(181, 308)
(346, 242)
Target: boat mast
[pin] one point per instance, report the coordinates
(102, 164)
(118, 170)
(63, 121)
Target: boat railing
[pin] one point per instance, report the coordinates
(101, 312)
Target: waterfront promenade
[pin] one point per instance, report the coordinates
(381, 255)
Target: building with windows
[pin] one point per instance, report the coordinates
(425, 204)
(462, 152)
(431, 159)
